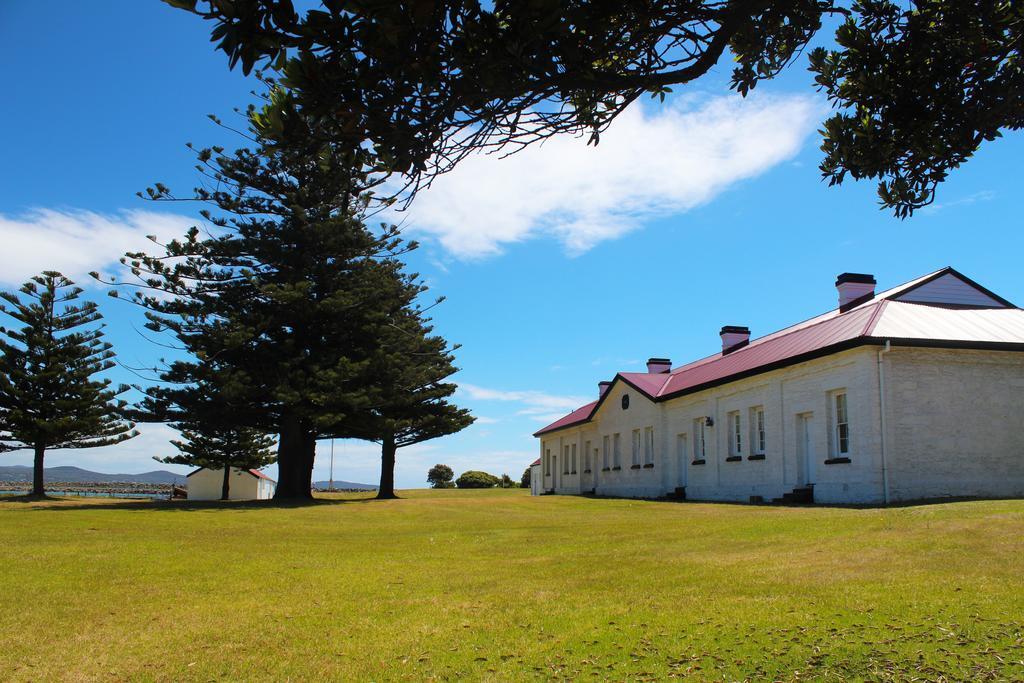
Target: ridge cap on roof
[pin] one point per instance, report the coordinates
(872, 323)
(667, 378)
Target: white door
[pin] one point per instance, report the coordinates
(805, 425)
(682, 454)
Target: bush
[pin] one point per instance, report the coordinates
(525, 480)
(440, 477)
(507, 483)
(474, 479)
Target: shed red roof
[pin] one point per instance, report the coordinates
(255, 473)
(883, 318)
(259, 475)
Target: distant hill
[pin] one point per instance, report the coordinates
(322, 485)
(80, 476)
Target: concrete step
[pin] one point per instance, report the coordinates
(678, 494)
(799, 495)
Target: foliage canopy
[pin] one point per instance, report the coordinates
(440, 477)
(475, 479)
(916, 87)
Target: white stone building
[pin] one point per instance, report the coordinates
(205, 484)
(910, 394)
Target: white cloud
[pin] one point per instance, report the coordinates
(76, 242)
(982, 196)
(653, 161)
(534, 404)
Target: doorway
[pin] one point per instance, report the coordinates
(805, 446)
(682, 453)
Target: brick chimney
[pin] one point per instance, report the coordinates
(854, 288)
(602, 388)
(734, 337)
(657, 366)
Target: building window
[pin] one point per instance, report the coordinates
(574, 459)
(565, 460)
(547, 463)
(757, 430)
(735, 434)
(616, 451)
(840, 425)
(699, 446)
(586, 457)
(606, 462)
(636, 448)
(649, 447)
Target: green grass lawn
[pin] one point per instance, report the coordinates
(499, 585)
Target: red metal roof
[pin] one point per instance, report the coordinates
(260, 475)
(874, 321)
(581, 414)
(535, 463)
(255, 473)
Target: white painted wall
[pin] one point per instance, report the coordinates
(955, 424)
(205, 484)
(785, 395)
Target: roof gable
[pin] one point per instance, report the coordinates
(951, 288)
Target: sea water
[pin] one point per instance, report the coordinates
(89, 494)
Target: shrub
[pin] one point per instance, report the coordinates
(474, 479)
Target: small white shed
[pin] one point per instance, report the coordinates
(536, 482)
(205, 484)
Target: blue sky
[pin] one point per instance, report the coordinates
(561, 267)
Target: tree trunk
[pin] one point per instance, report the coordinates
(38, 487)
(387, 468)
(225, 487)
(296, 448)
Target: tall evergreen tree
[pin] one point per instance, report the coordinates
(408, 370)
(218, 446)
(282, 304)
(49, 394)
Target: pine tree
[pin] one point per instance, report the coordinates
(410, 404)
(218, 446)
(49, 396)
(282, 303)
